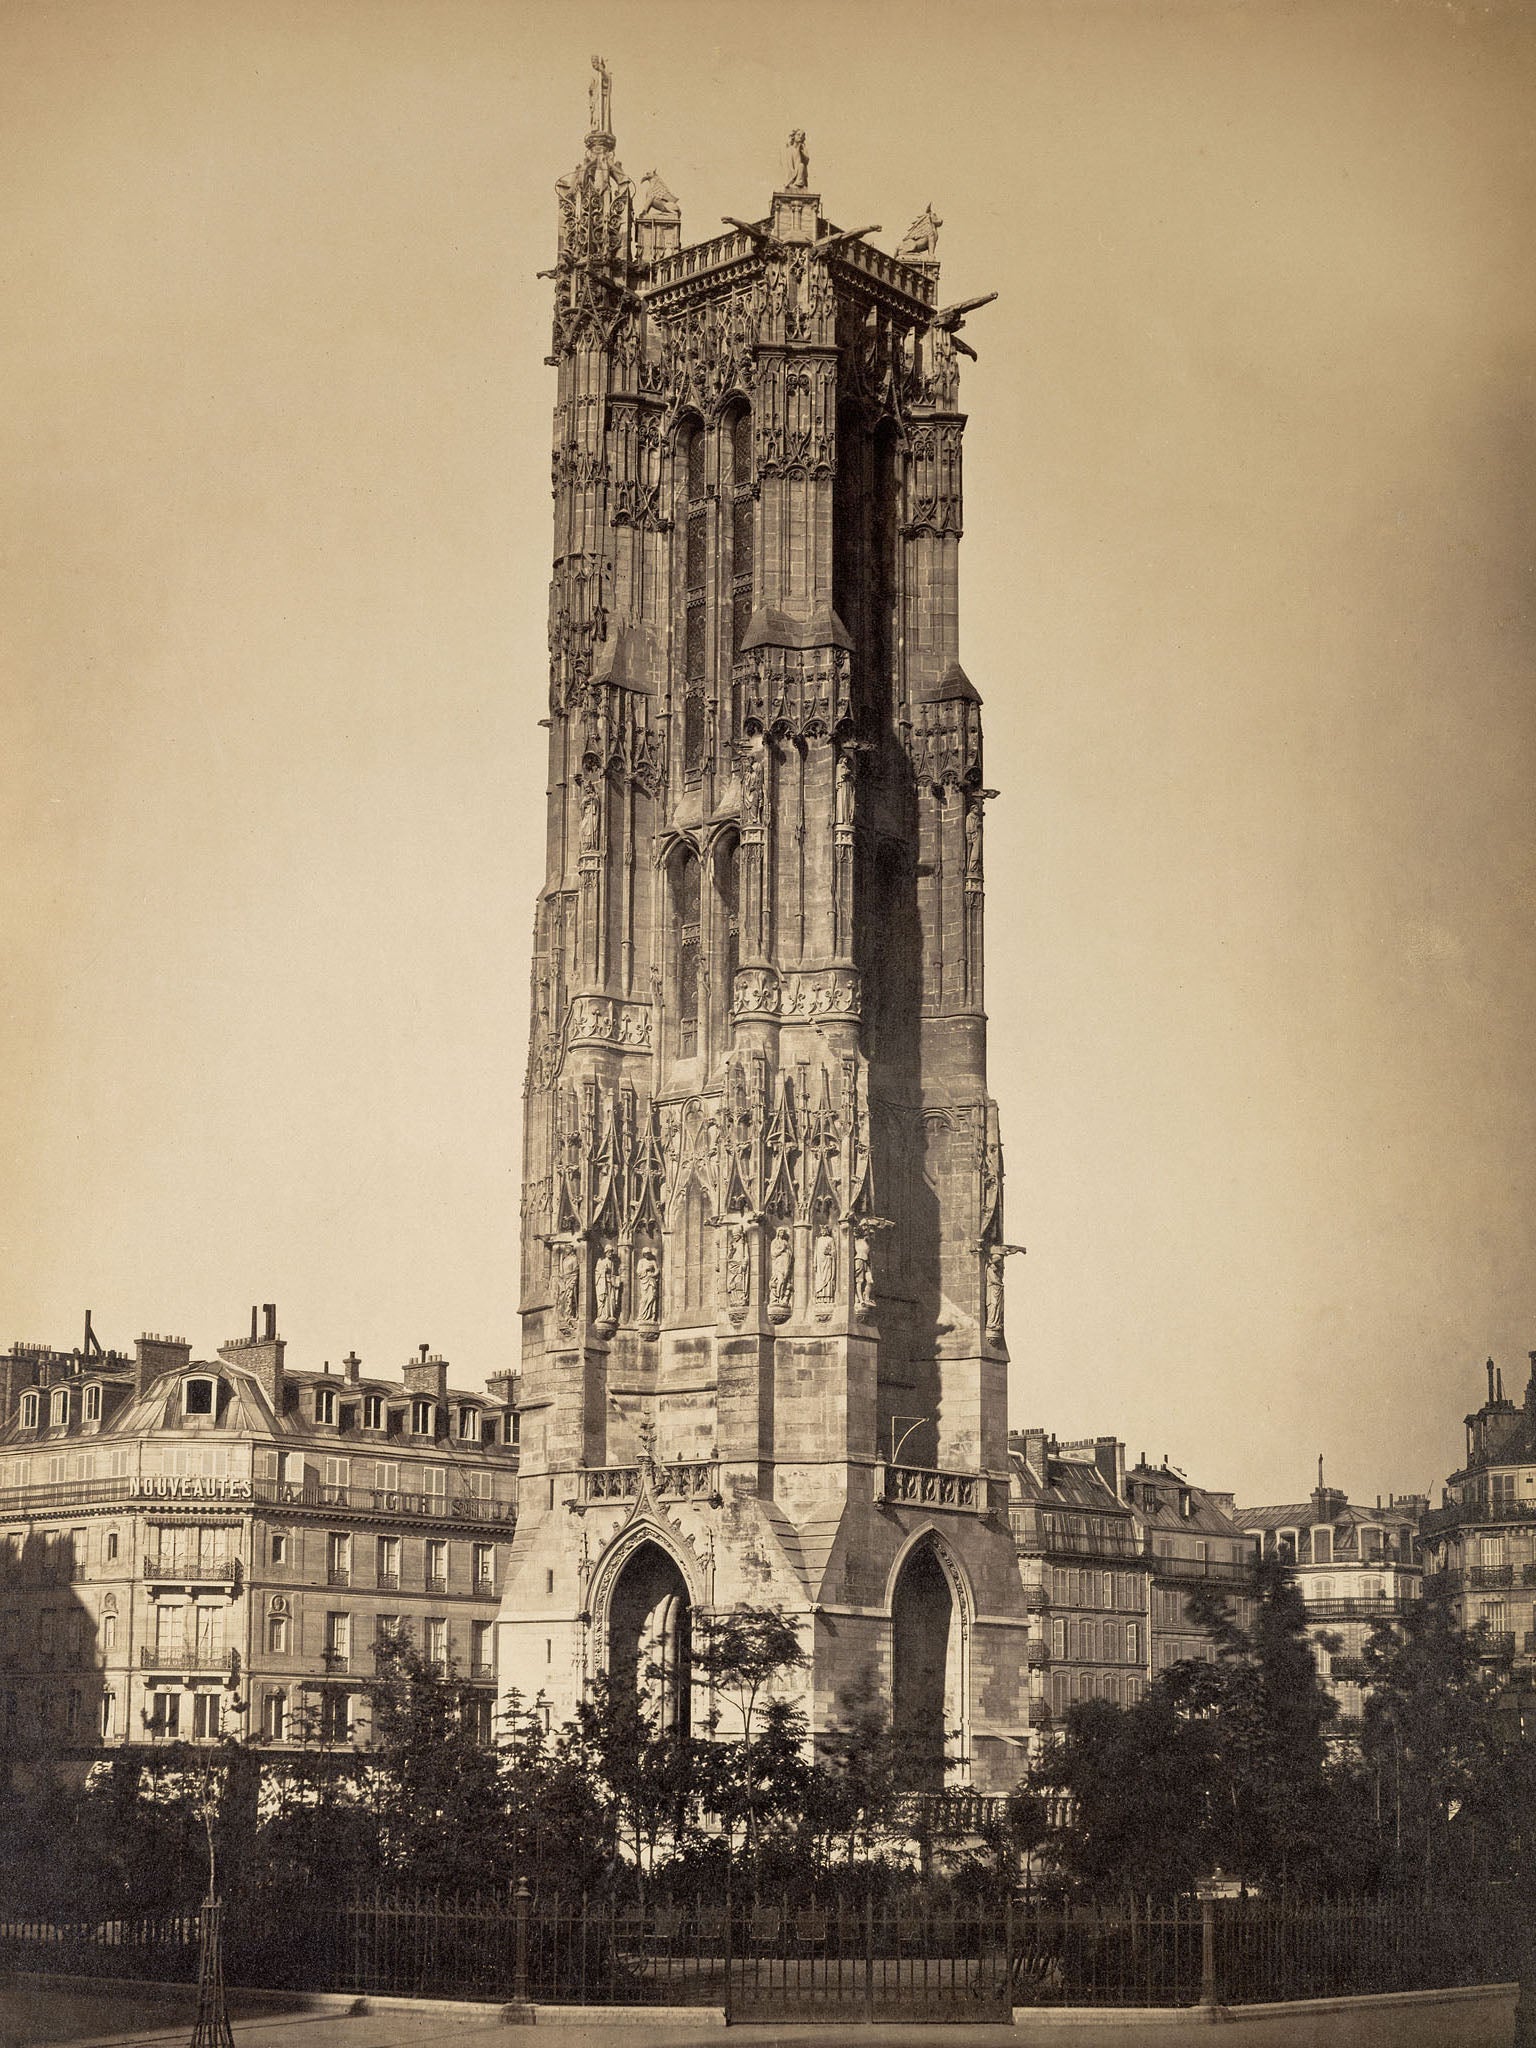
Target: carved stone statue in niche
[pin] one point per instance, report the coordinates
(863, 1274)
(797, 164)
(591, 817)
(846, 798)
(608, 1285)
(781, 1272)
(738, 1269)
(973, 840)
(752, 791)
(647, 1286)
(920, 244)
(824, 1268)
(567, 1284)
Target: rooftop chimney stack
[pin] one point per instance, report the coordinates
(155, 1356)
(261, 1355)
(427, 1373)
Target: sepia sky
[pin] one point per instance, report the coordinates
(1246, 587)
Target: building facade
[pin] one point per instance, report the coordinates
(1483, 1535)
(1354, 1566)
(763, 1244)
(193, 1548)
(1109, 1558)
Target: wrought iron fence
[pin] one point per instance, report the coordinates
(913, 1956)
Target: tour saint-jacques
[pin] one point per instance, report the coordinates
(764, 1242)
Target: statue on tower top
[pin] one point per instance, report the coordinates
(920, 244)
(797, 165)
(598, 98)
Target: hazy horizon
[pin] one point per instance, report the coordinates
(1246, 590)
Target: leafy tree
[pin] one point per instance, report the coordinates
(1221, 1763)
(1138, 1779)
(753, 1769)
(645, 1775)
(1428, 1737)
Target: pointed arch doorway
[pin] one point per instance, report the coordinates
(650, 1633)
(923, 1631)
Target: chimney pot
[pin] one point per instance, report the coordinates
(253, 1322)
(269, 1319)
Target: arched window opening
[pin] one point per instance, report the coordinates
(695, 628)
(685, 919)
(729, 873)
(743, 520)
(650, 1638)
(922, 1617)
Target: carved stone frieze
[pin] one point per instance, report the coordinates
(794, 693)
(944, 743)
(933, 478)
(832, 992)
(756, 993)
(609, 1021)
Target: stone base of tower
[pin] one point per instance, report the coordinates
(919, 1600)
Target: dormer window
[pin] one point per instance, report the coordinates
(58, 1408)
(29, 1407)
(197, 1397)
(373, 1411)
(93, 1404)
(469, 1425)
(325, 1404)
(423, 1418)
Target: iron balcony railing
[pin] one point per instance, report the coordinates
(1497, 1643)
(1485, 1577)
(184, 1657)
(339, 1575)
(179, 1571)
(1489, 1514)
(1352, 1670)
(1219, 1570)
(482, 1667)
(1354, 1609)
(389, 1582)
(694, 1480)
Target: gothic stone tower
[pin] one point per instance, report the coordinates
(763, 1354)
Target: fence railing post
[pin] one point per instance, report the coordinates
(1208, 1956)
(520, 1904)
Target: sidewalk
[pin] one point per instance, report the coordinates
(50, 2017)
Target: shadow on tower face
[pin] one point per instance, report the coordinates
(53, 1692)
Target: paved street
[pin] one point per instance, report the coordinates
(31, 2018)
